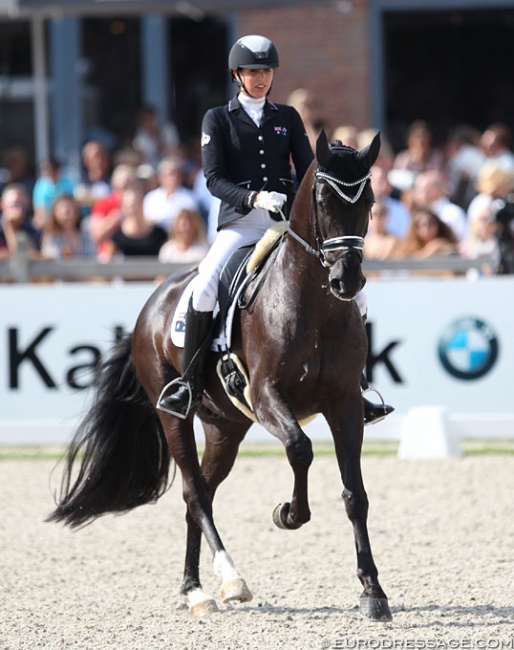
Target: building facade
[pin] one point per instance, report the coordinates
(369, 63)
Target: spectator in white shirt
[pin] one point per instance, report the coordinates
(163, 204)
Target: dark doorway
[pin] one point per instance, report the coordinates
(111, 51)
(200, 75)
(448, 67)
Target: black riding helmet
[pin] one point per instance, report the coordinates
(253, 52)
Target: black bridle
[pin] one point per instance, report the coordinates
(344, 243)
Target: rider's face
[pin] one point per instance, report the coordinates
(256, 82)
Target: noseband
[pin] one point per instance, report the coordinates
(345, 243)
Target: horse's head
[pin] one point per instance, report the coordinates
(342, 200)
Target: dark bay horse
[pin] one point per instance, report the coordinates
(303, 343)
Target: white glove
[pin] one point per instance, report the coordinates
(272, 201)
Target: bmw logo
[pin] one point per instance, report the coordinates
(468, 348)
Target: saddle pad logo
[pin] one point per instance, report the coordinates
(468, 349)
(280, 130)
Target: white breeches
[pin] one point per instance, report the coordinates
(246, 230)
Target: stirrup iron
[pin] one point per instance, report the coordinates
(178, 382)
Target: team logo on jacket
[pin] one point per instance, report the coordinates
(468, 348)
(281, 130)
(206, 138)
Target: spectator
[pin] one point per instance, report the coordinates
(164, 203)
(430, 190)
(15, 206)
(493, 184)
(95, 181)
(464, 159)
(398, 214)
(428, 236)
(347, 134)
(152, 139)
(305, 103)
(420, 154)
(16, 169)
(187, 241)
(63, 234)
(135, 235)
(105, 215)
(495, 142)
(50, 184)
(379, 243)
(482, 241)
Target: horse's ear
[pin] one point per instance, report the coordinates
(323, 153)
(369, 154)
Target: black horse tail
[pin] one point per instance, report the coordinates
(122, 455)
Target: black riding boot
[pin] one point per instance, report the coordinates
(373, 412)
(187, 390)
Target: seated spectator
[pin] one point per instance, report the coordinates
(164, 203)
(50, 184)
(379, 242)
(482, 241)
(187, 241)
(464, 159)
(494, 183)
(16, 217)
(428, 236)
(304, 101)
(153, 140)
(105, 214)
(398, 214)
(95, 181)
(347, 134)
(420, 154)
(430, 190)
(16, 168)
(495, 142)
(63, 234)
(135, 235)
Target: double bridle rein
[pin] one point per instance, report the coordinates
(345, 243)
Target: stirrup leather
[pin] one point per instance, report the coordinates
(179, 382)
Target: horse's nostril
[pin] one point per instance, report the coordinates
(336, 285)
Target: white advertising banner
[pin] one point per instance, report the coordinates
(446, 343)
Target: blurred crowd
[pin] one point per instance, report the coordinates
(150, 199)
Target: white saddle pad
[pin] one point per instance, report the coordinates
(222, 340)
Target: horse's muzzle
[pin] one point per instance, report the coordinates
(346, 278)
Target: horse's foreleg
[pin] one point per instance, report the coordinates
(348, 443)
(217, 461)
(275, 416)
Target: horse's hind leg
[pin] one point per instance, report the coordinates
(348, 443)
(222, 444)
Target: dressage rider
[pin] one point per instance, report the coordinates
(247, 149)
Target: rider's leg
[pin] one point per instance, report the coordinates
(196, 346)
(373, 411)
(183, 395)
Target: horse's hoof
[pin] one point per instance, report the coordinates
(280, 517)
(235, 589)
(204, 608)
(200, 603)
(376, 609)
